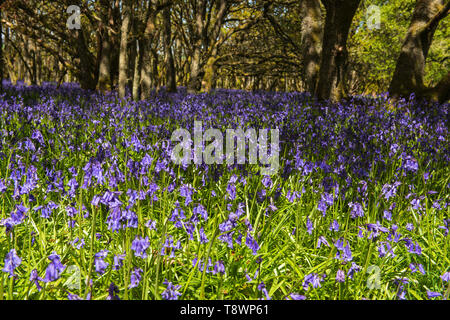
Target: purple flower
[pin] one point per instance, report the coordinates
(12, 261)
(321, 241)
(151, 224)
(340, 276)
(357, 210)
(267, 182)
(54, 269)
(112, 292)
(446, 276)
(432, 294)
(118, 261)
(251, 243)
(34, 277)
(262, 287)
(203, 237)
(231, 189)
(139, 246)
(309, 226)
(296, 296)
(334, 226)
(354, 268)
(200, 209)
(171, 292)
(219, 267)
(99, 262)
(135, 278)
(312, 279)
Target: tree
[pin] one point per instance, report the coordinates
(311, 31)
(332, 73)
(123, 55)
(171, 85)
(410, 69)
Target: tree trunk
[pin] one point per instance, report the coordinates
(146, 69)
(410, 69)
(311, 37)
(136, 91)
(171, 85)
(84, 63)
(339, 15)
(104, 72)
(123, 57)
(196, 73)
(209, 76)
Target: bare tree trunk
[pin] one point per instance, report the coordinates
(84, 62)
(104, 72)
(171, 85)
(123, 56)
(311, 37)
(210, 72)
(146, 69)
(136, 91)
(332, 73)
(410, 69)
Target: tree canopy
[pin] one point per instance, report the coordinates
(331, 48)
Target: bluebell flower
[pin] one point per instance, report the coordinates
(140, 246)
(135, 278)
(309, 226)
(251, 244)
(113, 290)
(334, 226)
(432, 294)
(54, 269)
(99, 262)
(446, 276)
(340, 276)
(219, 267)
(34, 277)
(312, 279)
(296, 296)
(353, 269)
(231, 189)
(171, 292)
(12, 261)
(118, 261)
(357, 210)
(321, 241)
(262, 288)
(203, 237)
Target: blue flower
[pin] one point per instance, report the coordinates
(12, 261)
(340, 276)
(432, 294)
(99, 262)
(34, 277)
(251, 243)
(118, 261)
(262, 287)
(54, 269)
(139, 246)
(171, 292)
(296, 296)
(136, 276)
(309, 226)
(446, 276)
(112, 292)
